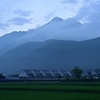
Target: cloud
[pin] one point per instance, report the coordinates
(49, 16)
(23, 13)
(3, 26)
(20, 21)
(68, 1)
(90, 8)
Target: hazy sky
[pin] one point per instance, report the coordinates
(16, 15)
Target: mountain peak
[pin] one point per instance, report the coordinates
(56, 19)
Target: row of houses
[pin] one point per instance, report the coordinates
(55, 74)
(44, 74)
(95, 74)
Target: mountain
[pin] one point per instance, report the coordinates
(52, 54)
(57, 28)
(56, 19)
(10, 41)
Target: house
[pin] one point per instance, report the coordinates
(93, 72)
(48, 74)
(65, 74)
(56, 74)
(97, 74)
(26, 74)
(44, 74)
(38, 74)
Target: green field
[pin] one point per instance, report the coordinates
(50, 91)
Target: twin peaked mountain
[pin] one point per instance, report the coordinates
(57, 28)
(48, 47)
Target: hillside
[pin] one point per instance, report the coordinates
(52, 54)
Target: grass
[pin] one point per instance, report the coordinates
(29, 95)
(53, 86)
(50, 95)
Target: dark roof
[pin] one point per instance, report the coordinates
(47, 74)
(56, 73)
(38, 73)
(29, 73)
(65, 73)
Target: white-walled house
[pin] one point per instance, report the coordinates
(43, 74)
(26, 74)
(65, 74)
(38, 74)
(48, 74)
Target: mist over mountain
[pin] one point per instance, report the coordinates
(52, 54)
(57, 28)
(10, 41)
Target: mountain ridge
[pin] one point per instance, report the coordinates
(51, 54)
(57, 28)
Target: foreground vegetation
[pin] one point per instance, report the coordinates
(50, 91)
(30, 95)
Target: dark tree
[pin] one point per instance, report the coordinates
(2, 76)
(77, 72)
